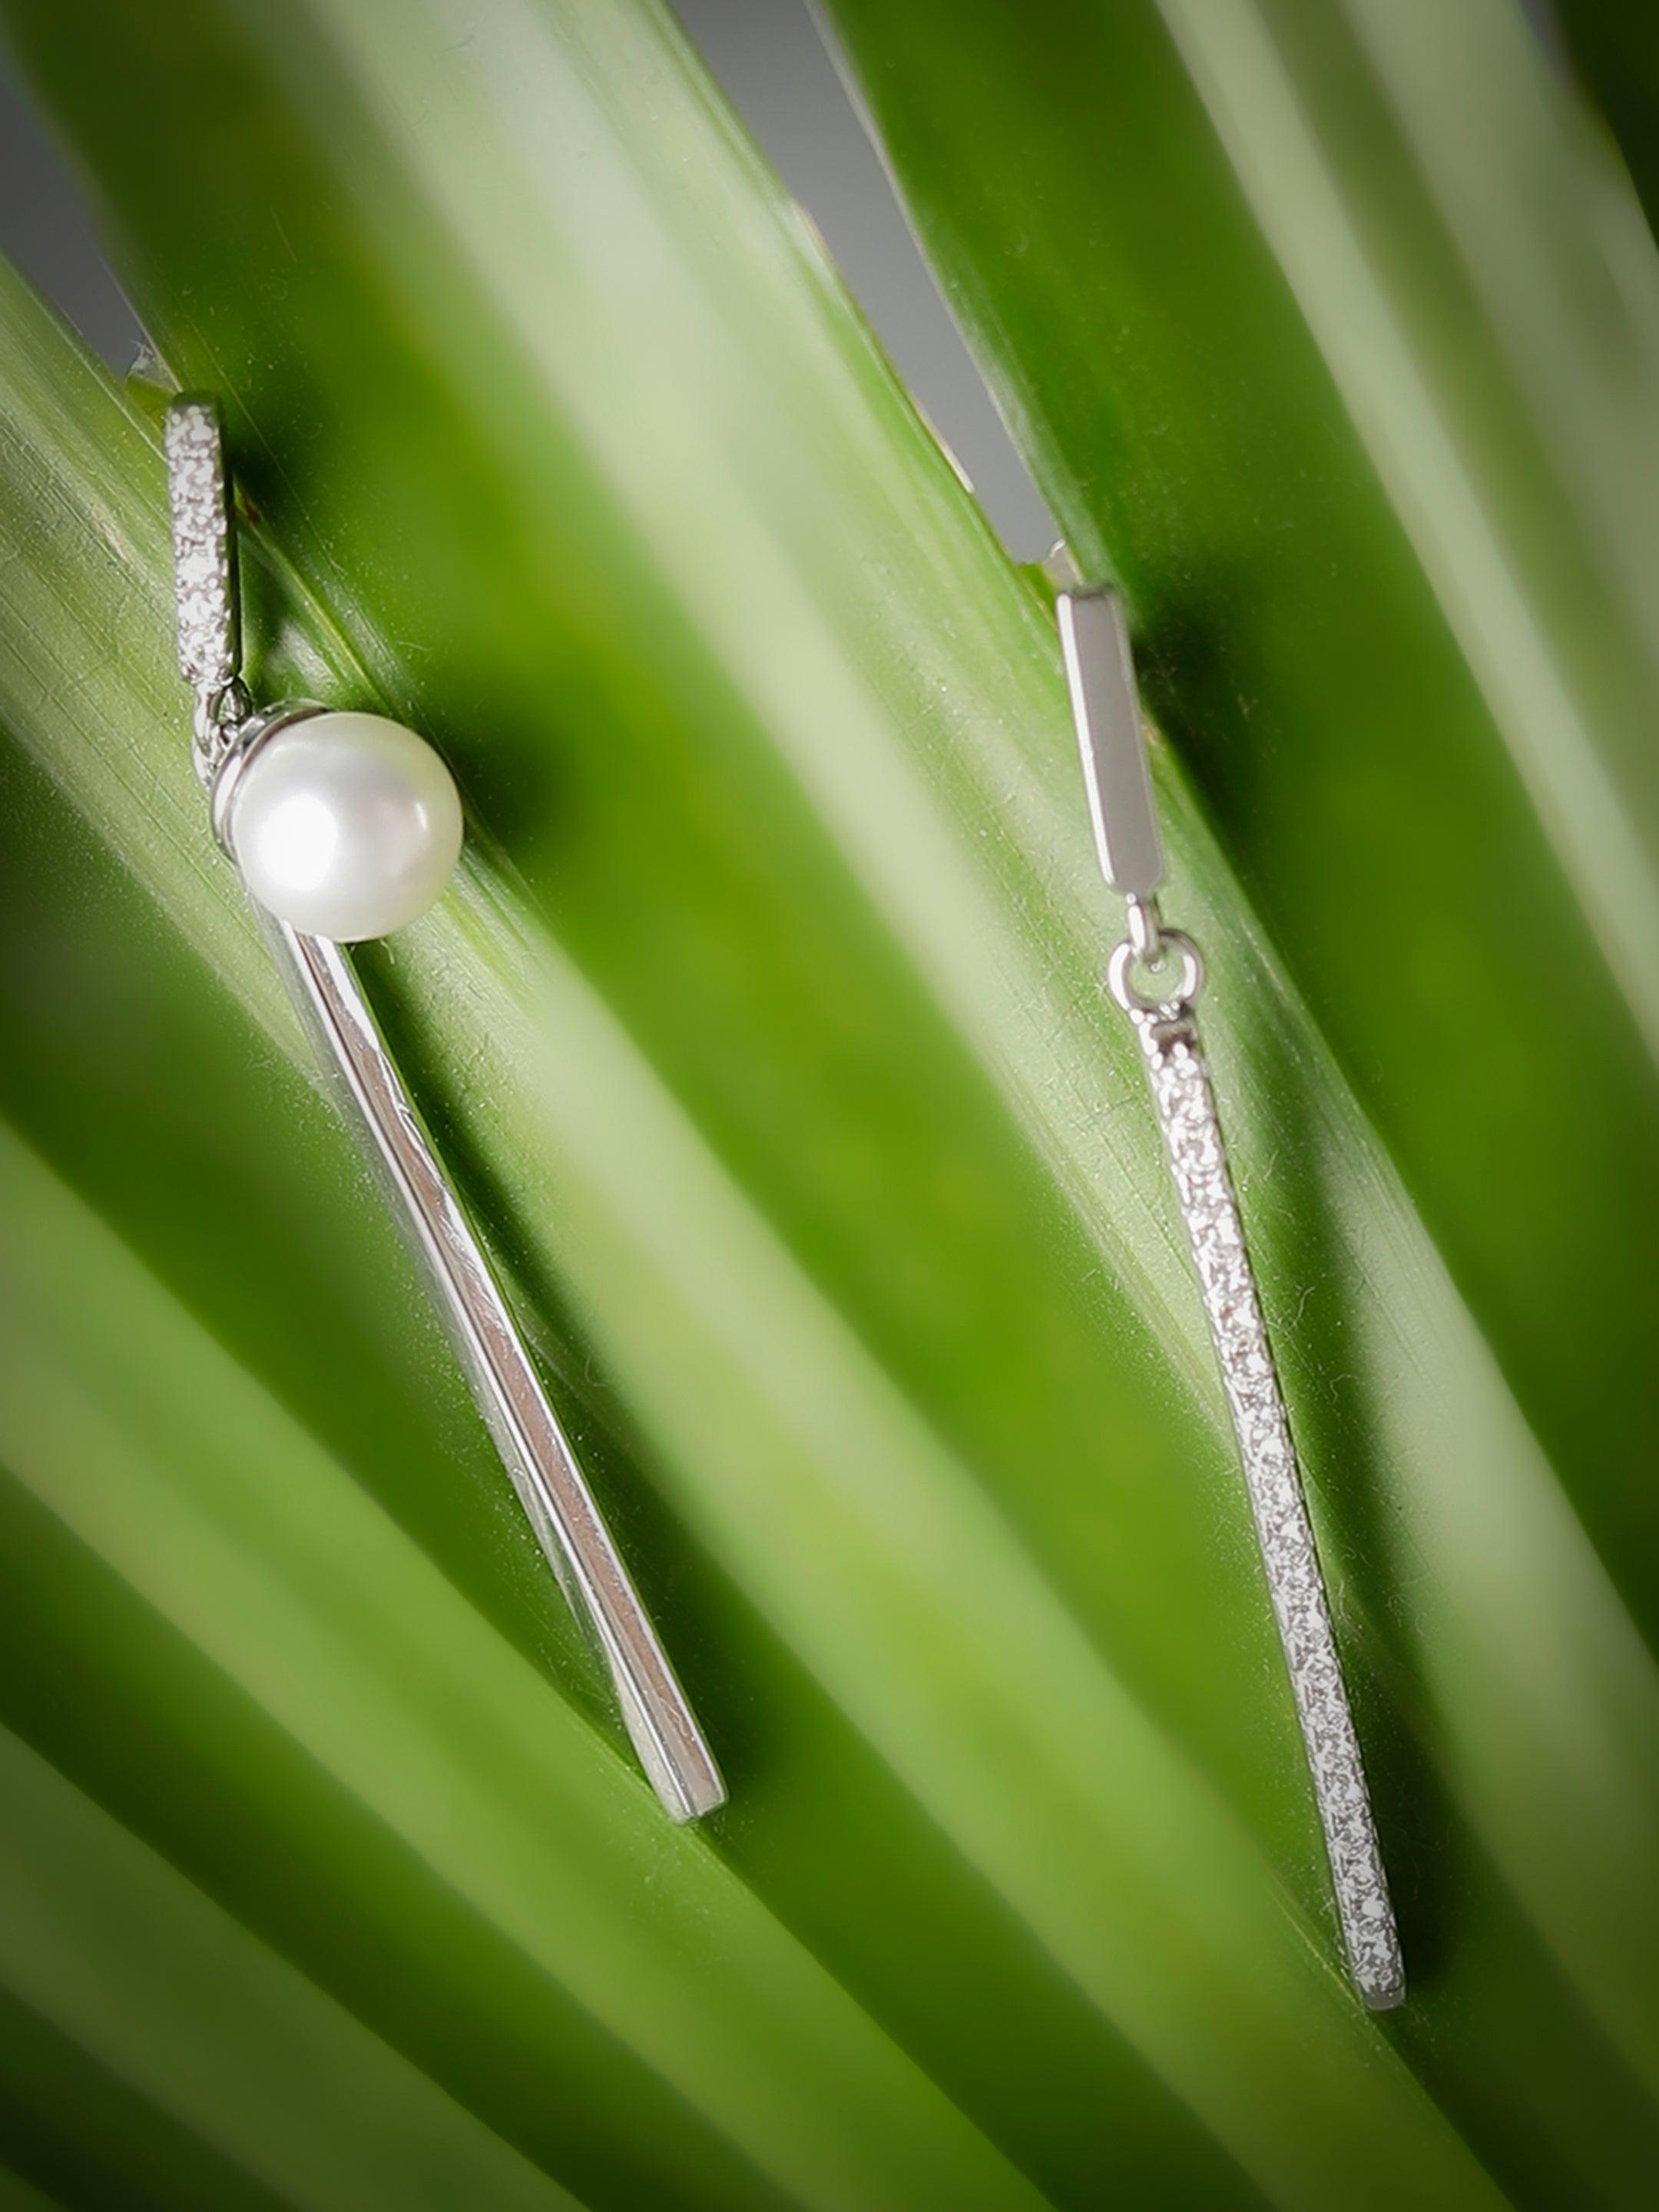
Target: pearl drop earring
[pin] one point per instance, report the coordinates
(345, 826)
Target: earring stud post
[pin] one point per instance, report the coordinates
(1100, 675)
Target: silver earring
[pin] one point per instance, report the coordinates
(344, 827)
(1100, 673)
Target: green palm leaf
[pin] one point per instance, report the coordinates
(1359, 401)
(764, 1025)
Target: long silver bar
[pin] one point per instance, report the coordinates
(1100, 672)
(1105, 706)
(537, 1456)
(1198, 1162)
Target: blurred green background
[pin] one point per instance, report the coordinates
(764, 1031)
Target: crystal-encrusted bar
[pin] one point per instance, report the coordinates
(201, 545)
(1198, 1162)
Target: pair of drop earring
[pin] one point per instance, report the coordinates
(345, 826)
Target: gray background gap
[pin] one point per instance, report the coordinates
(778, 74)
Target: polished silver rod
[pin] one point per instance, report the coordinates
(1209, 1208)
(537, 1456)
(1100, 674)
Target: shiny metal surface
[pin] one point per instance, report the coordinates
(1209, 1209)
(1156, 974)
(1100, 671)
(538, 1458)
(544, 1472)
(1177, 991)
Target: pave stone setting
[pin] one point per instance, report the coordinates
(1198, 1162)
(201, 546)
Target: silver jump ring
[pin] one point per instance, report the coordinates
(1127, 957)
(219, 712)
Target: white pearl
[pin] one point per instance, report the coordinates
(345, 825)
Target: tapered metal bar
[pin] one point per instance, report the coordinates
(1100, 672)
(537, 1456)
(1198, 1162)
